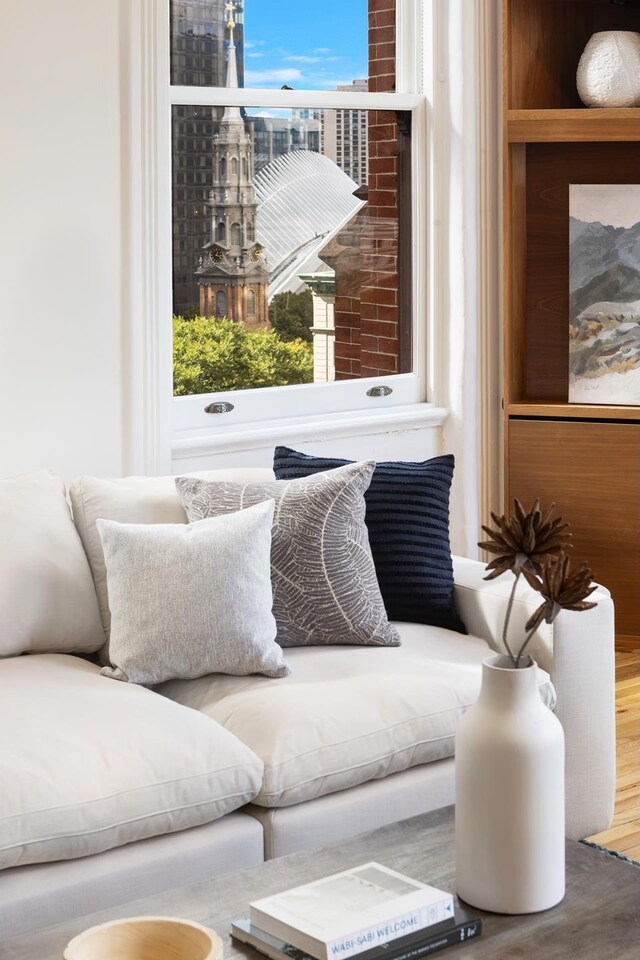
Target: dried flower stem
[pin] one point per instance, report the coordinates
(524, 646)
(507, 617)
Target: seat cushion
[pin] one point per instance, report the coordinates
(47, 598)
(133, 500)
(347, 715)
(87, 764)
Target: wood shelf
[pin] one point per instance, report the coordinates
(583, 457)
(573, 411)
(571, 126)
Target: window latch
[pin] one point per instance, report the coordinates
(220, 406)
(382, 391)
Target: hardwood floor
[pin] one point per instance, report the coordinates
(624, 833)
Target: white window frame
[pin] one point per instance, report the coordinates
(158, 420)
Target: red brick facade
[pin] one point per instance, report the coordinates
(366, 305)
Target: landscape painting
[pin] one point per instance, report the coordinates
(604, 293)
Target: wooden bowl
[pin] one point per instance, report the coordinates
(146, 938)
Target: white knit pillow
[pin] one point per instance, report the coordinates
(191, 600)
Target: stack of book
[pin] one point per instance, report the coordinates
(370, 912)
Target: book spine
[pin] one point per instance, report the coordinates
(389, 930)
(460, 934)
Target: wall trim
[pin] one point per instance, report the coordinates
(146, 342)
(490, 481)
(304, 429)
(461, 82)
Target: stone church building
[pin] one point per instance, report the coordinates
(233, 277)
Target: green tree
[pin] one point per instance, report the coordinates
(214, 355)
(291, 315)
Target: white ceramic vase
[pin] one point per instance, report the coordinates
(609, 70)
(510, 832)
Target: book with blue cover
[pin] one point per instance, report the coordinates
(346, 914)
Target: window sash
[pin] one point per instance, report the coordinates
(188, 417)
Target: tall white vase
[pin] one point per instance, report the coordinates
(609, 70)
(510, 832)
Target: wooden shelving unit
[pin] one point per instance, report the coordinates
(584, 457)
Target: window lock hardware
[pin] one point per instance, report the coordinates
(220, 406)
(382, 391)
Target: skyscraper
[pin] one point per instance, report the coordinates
(198, 58)
(345, 139)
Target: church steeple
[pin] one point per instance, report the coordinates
(233, 277)
(231, 114)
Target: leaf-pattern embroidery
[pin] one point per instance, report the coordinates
(325, 589)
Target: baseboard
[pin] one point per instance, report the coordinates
(628, 644)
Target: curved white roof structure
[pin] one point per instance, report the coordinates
(303, 198)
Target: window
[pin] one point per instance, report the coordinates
(300, 228)
(236, 234)
(221, 304)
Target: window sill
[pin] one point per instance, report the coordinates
(294, 430)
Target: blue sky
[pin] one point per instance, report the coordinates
(310, 46)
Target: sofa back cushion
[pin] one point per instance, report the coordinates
(47, 598)
(133, 500)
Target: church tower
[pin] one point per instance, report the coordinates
(232, 276)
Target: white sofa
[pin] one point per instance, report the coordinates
(111, 792)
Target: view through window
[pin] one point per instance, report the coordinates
(291, 228)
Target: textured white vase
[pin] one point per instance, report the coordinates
(609, 70)
(510, 832)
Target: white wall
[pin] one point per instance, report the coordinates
(63, 358)
(60, 246)
(360, 437)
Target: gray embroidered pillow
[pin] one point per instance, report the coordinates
(325, 589)
(187, 600)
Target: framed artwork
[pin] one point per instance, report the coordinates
(604, 293)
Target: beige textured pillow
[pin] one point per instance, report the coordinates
(133, 500)
(189, 600)
(325, 589)
(47, 599)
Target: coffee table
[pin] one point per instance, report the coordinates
(598, 919)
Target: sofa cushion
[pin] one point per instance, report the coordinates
(347, 715)
(191, 599)
(408, 521)
(47, 598)
(133, 500)
(325, 589)
(87, 764)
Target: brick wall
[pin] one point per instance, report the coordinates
(366, 306)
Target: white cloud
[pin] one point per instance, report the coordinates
(255, 56)
(322, 50)
(271, 76)
(303, 59)
(248, 44)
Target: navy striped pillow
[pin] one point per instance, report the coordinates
(408, 522)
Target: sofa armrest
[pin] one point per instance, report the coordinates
(577, 650)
